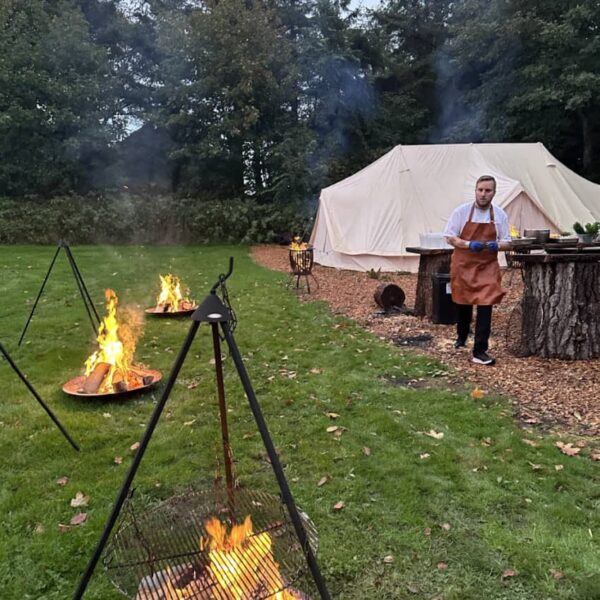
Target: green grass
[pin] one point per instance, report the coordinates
(506, 504)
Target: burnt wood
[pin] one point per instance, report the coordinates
(431, 260)
(562, 316)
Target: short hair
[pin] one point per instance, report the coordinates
(486, 178)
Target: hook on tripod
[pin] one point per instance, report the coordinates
(223, 277)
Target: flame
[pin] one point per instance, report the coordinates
(170, 296)
(514, 232)
(111, 350)
(242, 562)
(297, 244)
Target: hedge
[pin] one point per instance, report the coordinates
(146, 219)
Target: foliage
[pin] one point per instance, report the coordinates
(590, 228)
(146, 219)
(427, 472)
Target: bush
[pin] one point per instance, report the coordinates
(146, 219)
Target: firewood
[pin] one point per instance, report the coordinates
(118, 383)
(147, 379)
(94, 380)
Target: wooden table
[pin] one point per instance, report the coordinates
(431, 260)
(561, 302)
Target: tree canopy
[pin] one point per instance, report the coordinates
(273, 99)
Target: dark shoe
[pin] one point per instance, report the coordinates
(460, 343)
(481, 358)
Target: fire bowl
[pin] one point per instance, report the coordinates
(155, 312)
(74, 387)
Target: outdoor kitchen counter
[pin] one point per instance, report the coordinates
(561, 302)
(431, 260)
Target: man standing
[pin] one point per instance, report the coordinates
(477, 230)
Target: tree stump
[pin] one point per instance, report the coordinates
(561, 310)
(428, 265)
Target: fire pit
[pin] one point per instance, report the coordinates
(301, 257)
(190, 547)
(109, 371)
(171, 302)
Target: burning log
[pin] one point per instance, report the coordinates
(171, 301)
(94, 380)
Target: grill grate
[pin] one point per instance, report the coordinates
(157, 551)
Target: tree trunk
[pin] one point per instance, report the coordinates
(561, 310)
(428, 265)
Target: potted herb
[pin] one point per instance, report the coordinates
(586, 234)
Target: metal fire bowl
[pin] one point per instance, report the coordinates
(165, 538)
(73, 386)
(173, 315)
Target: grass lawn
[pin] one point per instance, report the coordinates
(476, 514)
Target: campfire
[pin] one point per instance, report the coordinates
(171, 301)
(110, 369)
(301, 257)
(189, 548)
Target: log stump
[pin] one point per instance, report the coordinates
(428, 265)
(561, 310)
(389, 295)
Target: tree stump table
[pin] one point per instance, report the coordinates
(431, 260)
(561, 305)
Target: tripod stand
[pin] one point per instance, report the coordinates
(214, 312)
(22, 377)
(85, 295)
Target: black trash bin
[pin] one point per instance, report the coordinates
(444, 311)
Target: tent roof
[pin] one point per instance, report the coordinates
(413, 189)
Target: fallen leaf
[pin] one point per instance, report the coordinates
(556, 574)
(508, 573)
(134, 447)
(567, 449)
(62, 481)
(189, 423)
(446, 526)
(535, 466)
(595, 454)
(316, 371)
(487, 442)
(531, 443)
(39, 529)
(477, 394)
(331, 415)
(435, 434)
(78, 519)
(388, 559)
(339, 505)
(118, 460)
(559, 467)
(424, 455)
(191, 386)
(106, 415)
(332, 429)
(442, 566)
(62, 528)
(366, 451)
(427, 531)
(339, 432)
(323, 480)
(79, 500)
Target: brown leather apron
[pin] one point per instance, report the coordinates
(475, 276)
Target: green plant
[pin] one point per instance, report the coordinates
(590, 228)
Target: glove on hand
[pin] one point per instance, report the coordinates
(476, 246)
(492, 246)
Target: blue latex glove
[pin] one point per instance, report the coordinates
(492, 246)
(476, 246)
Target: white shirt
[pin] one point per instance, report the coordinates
(459, 217)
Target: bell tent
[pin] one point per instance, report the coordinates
(367, 220)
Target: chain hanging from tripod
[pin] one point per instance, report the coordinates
(220, 288)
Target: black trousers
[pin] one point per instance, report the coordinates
(483, 325)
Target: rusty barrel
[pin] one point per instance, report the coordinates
(389, 295)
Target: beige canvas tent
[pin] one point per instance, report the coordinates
(367, 220)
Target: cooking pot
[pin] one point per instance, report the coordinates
(541, 235)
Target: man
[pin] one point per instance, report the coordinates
(477, 230)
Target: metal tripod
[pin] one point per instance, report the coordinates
(85, 295)
(22, 377)
(214, 312)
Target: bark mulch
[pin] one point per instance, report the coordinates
(549, 393)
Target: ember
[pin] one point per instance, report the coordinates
(171, 300)
(109, 370)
